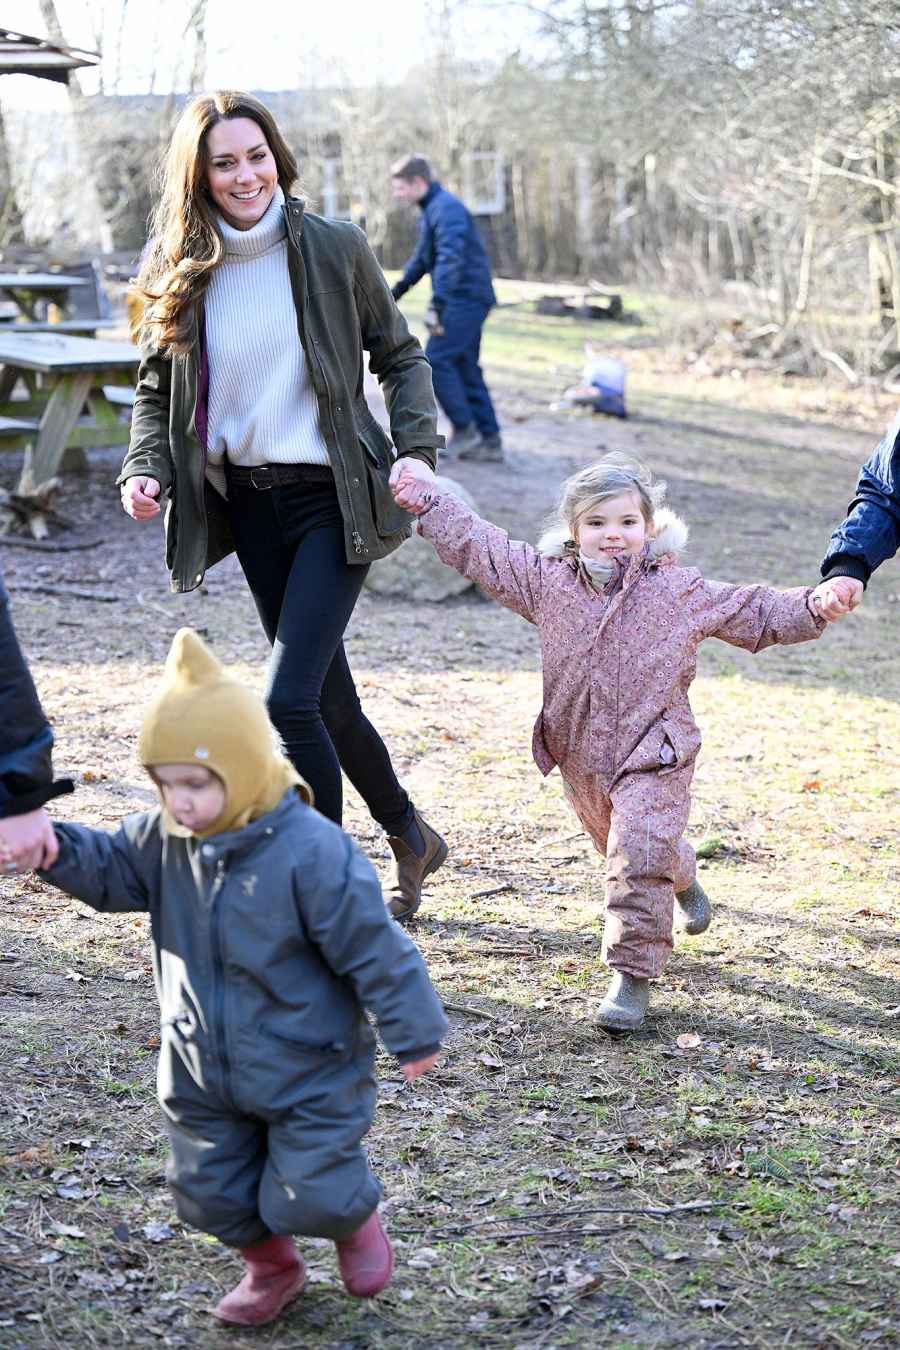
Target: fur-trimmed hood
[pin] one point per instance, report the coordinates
(670, 536)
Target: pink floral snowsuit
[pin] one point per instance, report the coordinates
(616, 719)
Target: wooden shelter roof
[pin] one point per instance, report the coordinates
(24, 55)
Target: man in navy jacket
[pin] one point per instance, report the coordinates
(870, 533)
(27, 839)
(450, 248)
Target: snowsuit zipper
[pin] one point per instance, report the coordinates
(218, 973)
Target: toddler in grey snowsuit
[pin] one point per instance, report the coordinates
(619, 627)
(270, 937)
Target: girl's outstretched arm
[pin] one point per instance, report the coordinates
(508, 569)
(756, 617)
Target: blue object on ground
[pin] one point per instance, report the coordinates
(607, 375)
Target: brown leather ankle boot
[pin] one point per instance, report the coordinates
(403, 891)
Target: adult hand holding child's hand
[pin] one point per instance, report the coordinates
(417, 1066)
(412, 483)
(27, 841)
(837, 596)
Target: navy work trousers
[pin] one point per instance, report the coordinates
(458, 382)
(290, 544)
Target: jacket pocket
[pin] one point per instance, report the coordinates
(389, 518)
(171, 530)
(676, 749)
(325, 1050)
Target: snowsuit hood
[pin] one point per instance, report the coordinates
(201, 715)
(670, 535)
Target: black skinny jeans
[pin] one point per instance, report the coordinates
(290, 544)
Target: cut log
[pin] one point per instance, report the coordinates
(581, 306)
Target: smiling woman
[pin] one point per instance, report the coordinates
(242, 175)
(249, 415)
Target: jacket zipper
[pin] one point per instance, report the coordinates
(355, 536)
(183, 369)
(219, 976)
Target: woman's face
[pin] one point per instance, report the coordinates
(240, 171)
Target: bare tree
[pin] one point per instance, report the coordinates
(90, 204)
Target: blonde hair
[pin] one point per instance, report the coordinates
(186, 246)
(612, 475)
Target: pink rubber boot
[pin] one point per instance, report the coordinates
(366, 1258)
(275, 1275)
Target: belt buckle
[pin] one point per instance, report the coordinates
(269, 481)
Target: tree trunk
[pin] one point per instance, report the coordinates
(584, 216)
(11, 229)
(93, 214)
(888, 216)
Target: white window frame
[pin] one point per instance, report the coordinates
(490, 203)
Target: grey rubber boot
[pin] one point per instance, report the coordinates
(489, 450)
(625, 1004)
(462, 440)
(695, 909)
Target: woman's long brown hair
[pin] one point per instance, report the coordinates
(186, 246)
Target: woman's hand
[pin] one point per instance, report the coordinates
(417, 1066)
(837, 597)
(27, 841)
(139, 496)
(412, 483)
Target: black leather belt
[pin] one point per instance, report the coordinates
(265, 476)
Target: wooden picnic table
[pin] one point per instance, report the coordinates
(62, 375)
(76, 327)
(27, 289)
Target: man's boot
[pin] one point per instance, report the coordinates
(462, 439)
(275, 1275)
(418, 852)
(489, 450)
(625, 1004)
(694, 909)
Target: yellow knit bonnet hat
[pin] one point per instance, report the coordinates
(201, 715)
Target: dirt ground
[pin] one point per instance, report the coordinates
(725, 1178)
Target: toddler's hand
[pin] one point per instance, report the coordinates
(417, 1066)
(837, 597)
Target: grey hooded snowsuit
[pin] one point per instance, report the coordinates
(268, 942)
(616, 719)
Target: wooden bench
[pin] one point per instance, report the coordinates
(121, 395)
(11, 426)
(28, 289)
(74, 327)
(17, 432)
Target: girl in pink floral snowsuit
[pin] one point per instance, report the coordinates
(619, 634)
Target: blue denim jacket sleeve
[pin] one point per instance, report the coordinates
(871, 531)
(26, 778)
(420, 262)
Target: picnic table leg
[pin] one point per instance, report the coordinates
(56, 425)
(9, 377)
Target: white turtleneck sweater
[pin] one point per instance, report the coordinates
(262, 407)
